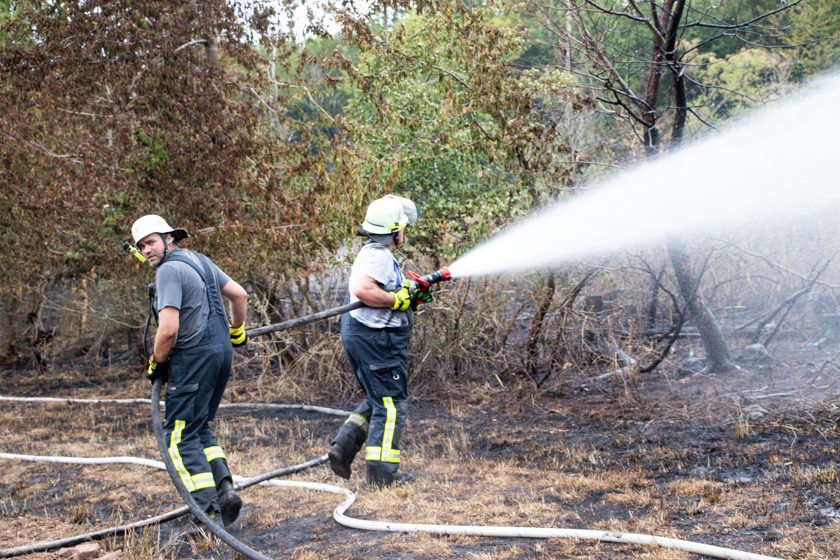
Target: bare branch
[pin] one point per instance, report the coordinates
(308, 95)
(261, 100)
(651, 24)
(82, 113)
(629, 16)
(785, 306)
(788, 305)
(69, 157)
(190, 44)
(593, 47)
(452, 75)
(779, 266)
(763, 46)
(702, 120)
(746, 23)
(722, 88)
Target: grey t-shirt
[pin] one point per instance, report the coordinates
(376, 261)
(178, 285)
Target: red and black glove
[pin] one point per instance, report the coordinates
(421, 290)
(422, 295)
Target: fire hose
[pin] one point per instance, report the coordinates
(419, 283)
(338, 514)
(340, 511)
(122, 529)
(194, 508)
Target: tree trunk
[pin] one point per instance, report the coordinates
(717, 353)
(532, 346)
(653, 308)
(665, 55)
(12, 305)
(650, 116)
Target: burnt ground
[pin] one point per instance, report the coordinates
(745, 460)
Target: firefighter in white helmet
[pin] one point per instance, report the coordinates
(193, 350)
(376, 340)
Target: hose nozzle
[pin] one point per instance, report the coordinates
(422, 283)
(437, 276)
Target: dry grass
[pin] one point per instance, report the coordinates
(674, 467)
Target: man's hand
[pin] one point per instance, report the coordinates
(155, 370)
(238, 336)
(402, 297)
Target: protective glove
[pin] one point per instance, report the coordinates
(238, 336)
(423, 294)
(402, 297)
(155, 370)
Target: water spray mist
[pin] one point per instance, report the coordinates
(778, 165)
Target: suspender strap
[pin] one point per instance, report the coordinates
(207, 276)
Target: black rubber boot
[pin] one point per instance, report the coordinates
(381, 474)
(229, 502)
(343, 450)
(340, 461)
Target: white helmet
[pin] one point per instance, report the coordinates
(389, 214)
(385, 216)
(408, 207)
(154, 224)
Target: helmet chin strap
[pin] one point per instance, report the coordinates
(165, 249)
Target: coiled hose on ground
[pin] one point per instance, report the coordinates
(339, 512)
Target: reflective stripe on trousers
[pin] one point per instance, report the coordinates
(191, 482)
(214, 452)
(386, 451)
(175, 455)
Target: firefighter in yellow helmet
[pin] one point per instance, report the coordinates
(193, 350)
(376, 340)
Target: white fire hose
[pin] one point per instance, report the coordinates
(349, 498)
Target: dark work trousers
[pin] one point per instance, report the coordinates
(379, 358)
(197, 378)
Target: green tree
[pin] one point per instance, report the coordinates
(815, 34)
(445, 116)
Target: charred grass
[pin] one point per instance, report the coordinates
(694, 458)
